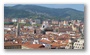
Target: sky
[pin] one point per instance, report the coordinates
(79, 7)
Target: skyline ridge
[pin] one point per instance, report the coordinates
(79, 7)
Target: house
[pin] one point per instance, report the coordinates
(22, 21)
(79, 44)
(14, 20)
(33, 22)
(37, 21)
(35, 42)
(59, 44)
(54, 22)
(46, 43)
(11, 45)
(32, 46)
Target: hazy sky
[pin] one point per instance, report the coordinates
(74, 6)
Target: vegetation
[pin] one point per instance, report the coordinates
(8, 23)
(38, 25)
(25, 24)
(33, 11)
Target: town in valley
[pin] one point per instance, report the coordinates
(28, 33)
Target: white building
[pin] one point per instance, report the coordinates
(44, 25)
(69, 46)
(14, 20)
(79, 44)
(33, 22)
(22, 21)
(35, 42)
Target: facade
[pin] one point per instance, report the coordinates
(79, 44)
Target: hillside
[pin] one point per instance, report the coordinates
(33, 11)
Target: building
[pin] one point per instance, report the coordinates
(14, 20)
(44, 25)
(55, 22)
(12, 45)
(37, 21)
(79, 44)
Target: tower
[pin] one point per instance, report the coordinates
(74, 28)
(44, 25)
(17, 30)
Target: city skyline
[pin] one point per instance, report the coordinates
(36, 27)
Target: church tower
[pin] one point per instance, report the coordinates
(17, 30)
(44, 25)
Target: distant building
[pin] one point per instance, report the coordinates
(33, 22)
(37, 21)
(54, 22)
(35, 42)
(14, 20)
(22, 21)
(7, 20)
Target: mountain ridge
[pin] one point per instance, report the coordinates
(34, 11)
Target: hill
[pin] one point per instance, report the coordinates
(34, 11)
